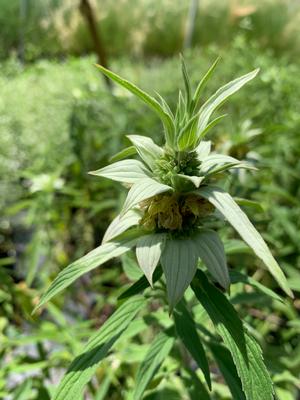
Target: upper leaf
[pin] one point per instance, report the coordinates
(148, 252)
(239, 220)
(220, 97)
(146, 98)
(213, 162)
(120, 224)
(84, 366)
(85, 264)
(202, 84)
(211, 251)
(179, 263)
(203, 149)
(142, 190)
(127, 171)
(147, 149)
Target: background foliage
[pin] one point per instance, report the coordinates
(58, 121)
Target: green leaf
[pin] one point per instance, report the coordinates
(188, 134)
(228, 370)
(186, 183)
(147, 99)
(148, 253)
(220, 97)
(245, 351)
(186, 330)
(127, 171)
(147, 149)
(127, 152)
(203, 149)
(85, 264)
(158, 351)
(211, 125)
(211, 251)
(195, 387)
(212, 162)
(202, 85)
(140, 285)
(85, 365)
(142, 190)
(179, 263)
(186, 80)
(237, 277)
(239, 220)
(120, 224)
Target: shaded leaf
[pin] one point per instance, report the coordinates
(211, 251)
(245, 351)
(186, 330)
(127, 152)
(179, 263)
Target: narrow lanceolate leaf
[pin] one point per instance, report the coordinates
(213, 162)
(203, 149)
(186, 330)
(127, 171)
(228, 370)
(127, 152)
(179, 263)
(147, 149)
(211, 125)
(211, 251)
(85, 365)
(147, 99)
(245, 351)
(237, 277)
(157, 353)
(220, 97)
(239, 220)
(142, 190)
(85, 264)
(140, 285)
(148, 253)
(202, 84)
(120, 224)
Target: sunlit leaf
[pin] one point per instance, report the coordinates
(158, 351)
(85, 264)
(147, 99)
(120, 224)
(142, 190)
(220, 97)
(148, 253)
(128, 171)
(239, 220)
(85, 365)
(147, 149)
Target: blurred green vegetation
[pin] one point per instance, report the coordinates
(145, 27)
(58, 121)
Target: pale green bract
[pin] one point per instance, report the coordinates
(171, 199)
